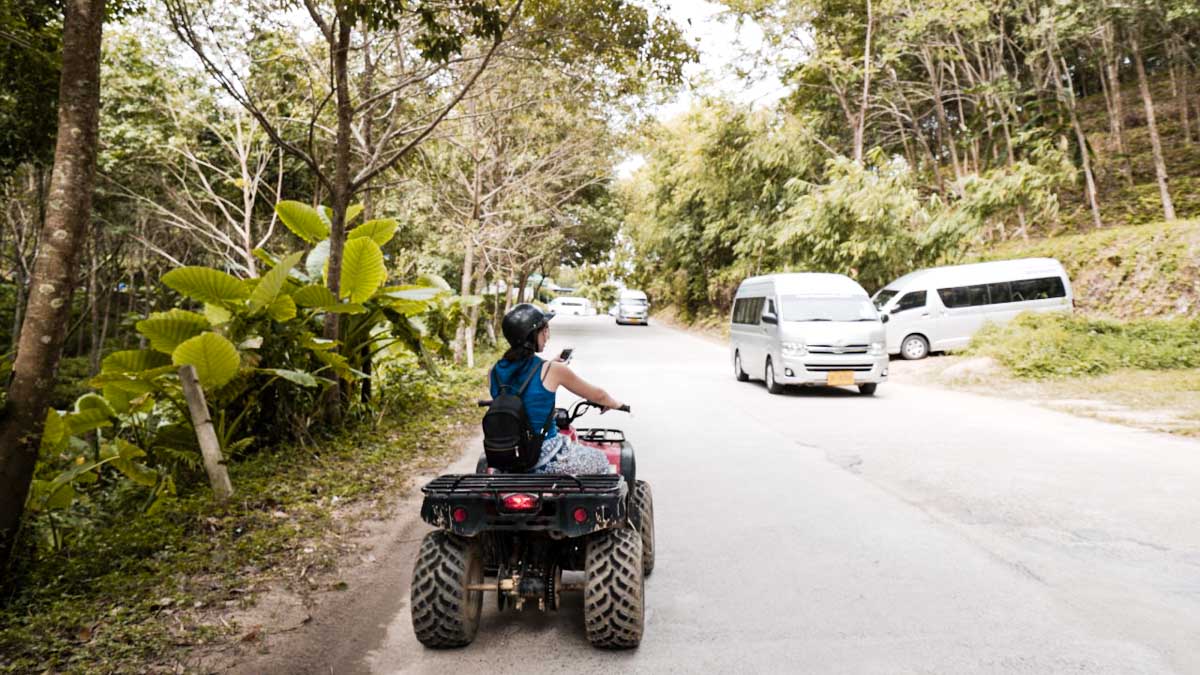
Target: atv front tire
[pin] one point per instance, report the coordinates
(444, 612)
(641, 513)
(613, 594)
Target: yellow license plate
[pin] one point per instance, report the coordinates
(840, 378)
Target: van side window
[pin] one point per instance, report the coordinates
(1000, 293)
(747, 310)
(953, 297)
(1038, 289)
(913, 300)
(977, 295)
(771, 308)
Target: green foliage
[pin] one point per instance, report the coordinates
(363, 271)
(1040, 346)
(869, 221)
(303, 220)
(215, 359)
(98, 607)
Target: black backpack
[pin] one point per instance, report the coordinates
(509, 440)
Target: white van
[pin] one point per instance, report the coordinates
(807, 328)
(632, 307)
(941, 308)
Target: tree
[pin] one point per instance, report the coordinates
(54, 275)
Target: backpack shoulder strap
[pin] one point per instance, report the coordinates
(537, 363)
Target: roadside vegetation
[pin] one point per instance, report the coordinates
(144, 591)
(1044, 346)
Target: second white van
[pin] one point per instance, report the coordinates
(941, 308)
(809, 329)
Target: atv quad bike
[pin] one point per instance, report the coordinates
(514, 534)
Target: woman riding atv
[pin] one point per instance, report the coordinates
(527, 330)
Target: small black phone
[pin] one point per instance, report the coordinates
(565, 356)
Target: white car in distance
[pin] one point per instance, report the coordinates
(569, 305)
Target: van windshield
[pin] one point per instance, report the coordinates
(882, 297)
(825, 308)
(637, 302)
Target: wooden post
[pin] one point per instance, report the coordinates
(210, 447)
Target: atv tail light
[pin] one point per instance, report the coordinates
(580, 515)
(520, 502)
(459, 515)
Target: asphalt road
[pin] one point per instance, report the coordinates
(918, 531)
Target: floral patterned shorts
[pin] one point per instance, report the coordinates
(560, 455)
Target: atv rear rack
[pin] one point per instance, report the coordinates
(598, 435)
(544, 483)
(566, 506)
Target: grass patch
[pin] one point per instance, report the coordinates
(132, 596)
(1043, 346)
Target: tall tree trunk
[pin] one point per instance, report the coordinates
(340, 197)
(1116, 117)
(463, 339)
(1066, 92)
(94, 310)
(1160, 166)
(67, 213)
(860, 120)
(1181, 85)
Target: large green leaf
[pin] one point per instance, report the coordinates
(88, 419)
(345, 308)
(352, 212)
(294, 376)
(418, 293)
(166, 330)
(435, 281)
(93, 401)
(216, 359)
(314, 295)
(272, 282)
(282, 309)
(206, 285)
(380, 231)
(314, 264)
(133, 361)
(217, 315)
(121, 454)
(409, 307)
(54, 433)
(363, 270)
(303, 220)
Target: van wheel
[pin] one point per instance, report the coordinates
(867, 389)
(738, 372)
(914, 348)
(772, 386)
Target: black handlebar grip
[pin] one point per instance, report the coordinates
(483, 404)
(624, 408)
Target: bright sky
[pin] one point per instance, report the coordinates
(723, 46)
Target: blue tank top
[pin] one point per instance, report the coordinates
(538, 400)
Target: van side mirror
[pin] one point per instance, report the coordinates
(770, 318)
(885, 318)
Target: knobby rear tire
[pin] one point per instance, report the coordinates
(613, 611)
(444, 612)
(642, 516)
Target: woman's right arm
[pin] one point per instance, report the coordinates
(582, 388)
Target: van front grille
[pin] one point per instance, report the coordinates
(830, 367)
(837, 349)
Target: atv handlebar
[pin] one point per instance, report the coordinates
(483, 403)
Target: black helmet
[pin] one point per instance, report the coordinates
(522, 323)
